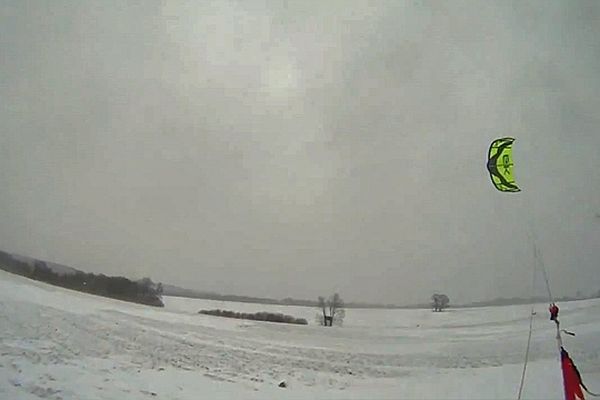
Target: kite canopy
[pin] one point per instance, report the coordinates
(500, 165)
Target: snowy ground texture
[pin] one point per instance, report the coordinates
(60, 344)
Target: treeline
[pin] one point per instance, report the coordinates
(117, 287)
(170, 290)
(259, 316)
(11, 264)
(502, 301)
(288, 301)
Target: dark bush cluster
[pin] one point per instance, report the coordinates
(116, 287)
(259, 316)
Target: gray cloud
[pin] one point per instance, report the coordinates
(280, 149)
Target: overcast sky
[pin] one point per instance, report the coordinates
(301, 148)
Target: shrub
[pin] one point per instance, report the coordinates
(259, 316)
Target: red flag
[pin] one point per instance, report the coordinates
(571, 377)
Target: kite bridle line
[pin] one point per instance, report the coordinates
(531, 315)
(539, 260)
(532, 236)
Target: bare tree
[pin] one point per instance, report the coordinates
(323, 307)
(336, 309)
(439, 302)
(445, 302)
(435, 302)
(331, 310)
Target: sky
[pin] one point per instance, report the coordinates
(274, 148)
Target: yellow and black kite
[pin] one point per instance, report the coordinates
(500, 165)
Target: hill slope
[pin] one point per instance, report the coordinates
(63, 344)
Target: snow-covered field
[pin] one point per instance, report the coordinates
(60, 344)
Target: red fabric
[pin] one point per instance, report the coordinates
(571, 378)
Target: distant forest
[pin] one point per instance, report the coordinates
(170, 290)
(147, 292)
(502, 301)
(143, 291)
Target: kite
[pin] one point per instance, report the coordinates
(500, 165)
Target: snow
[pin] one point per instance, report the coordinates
(60, 344)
